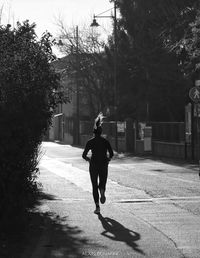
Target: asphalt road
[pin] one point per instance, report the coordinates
(152, 208)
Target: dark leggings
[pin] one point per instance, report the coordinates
(98, 173)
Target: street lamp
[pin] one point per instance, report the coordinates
(95, 24)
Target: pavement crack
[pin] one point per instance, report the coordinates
(185, 209)
(162, 233)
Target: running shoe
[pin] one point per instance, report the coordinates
(97, 210)
(102, 198)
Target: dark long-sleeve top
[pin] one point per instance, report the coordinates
(99, 147)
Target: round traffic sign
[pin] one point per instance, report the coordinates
(194, 94)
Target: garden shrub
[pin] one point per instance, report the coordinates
(29, 92)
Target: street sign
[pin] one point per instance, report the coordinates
(194, 94)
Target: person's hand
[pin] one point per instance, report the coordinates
(88, 159)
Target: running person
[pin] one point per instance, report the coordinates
(99, 160)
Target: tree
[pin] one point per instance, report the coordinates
(188, 49)
(153, 31)
(28, 94)
(87, 63)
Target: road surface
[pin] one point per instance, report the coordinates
(152, 208)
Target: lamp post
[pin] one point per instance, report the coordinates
(95, 24)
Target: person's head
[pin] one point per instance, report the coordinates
(97, 131)
(97, 124)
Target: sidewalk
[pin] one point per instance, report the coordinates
(176, 162)
(129, 156)
(126, 227)
(64, 225)
(71, 229)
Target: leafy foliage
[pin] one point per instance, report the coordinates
(28, 95)
(157, 46)
(153, 39)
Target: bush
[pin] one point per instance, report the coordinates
(28, 94)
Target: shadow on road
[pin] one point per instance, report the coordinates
(117, 232)
(55, 239)
(40, 234)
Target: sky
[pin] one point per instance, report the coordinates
(45, 13)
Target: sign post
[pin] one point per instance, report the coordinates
(194, 95)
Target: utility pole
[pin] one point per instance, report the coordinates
(95, 24)
(115, 74)
(77, 89)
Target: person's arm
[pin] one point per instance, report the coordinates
(85, 152)
(110, 150)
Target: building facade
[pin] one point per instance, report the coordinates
(67, 116)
